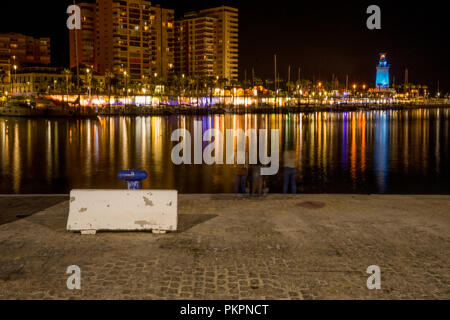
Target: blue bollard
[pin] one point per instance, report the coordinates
(133, 178)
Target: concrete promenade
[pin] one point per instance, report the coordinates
(281, 247)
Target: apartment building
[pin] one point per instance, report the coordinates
(83, 39)
(20, 50)
(227, 40)
(195, 49)
(134, 39)
(207, 43)
(139, 41)
(164, 28)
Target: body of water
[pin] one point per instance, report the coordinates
(403, 152)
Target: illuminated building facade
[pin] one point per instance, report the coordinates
(195, 50)
(85, 38)
(20, 50)
(382, 81)
(32, 80)
(134, 38)
(207, 43)
(164, 30)
(227, 41)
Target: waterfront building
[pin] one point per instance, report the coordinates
(134, 39)
(195, 50)
(37, 80)
(84, 40)
(207, 43)
(164, 30)
(17, 51)
(382, 80)
(50, 80)
(227, 40)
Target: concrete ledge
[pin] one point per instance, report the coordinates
(123, 210)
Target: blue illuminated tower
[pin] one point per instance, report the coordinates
(382, 81)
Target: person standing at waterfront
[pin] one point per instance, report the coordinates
(257, 180)
(240, 179)
(290, 171)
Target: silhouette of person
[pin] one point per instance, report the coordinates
(290, 171)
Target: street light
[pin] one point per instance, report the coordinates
(15, 78)
(11, 80)
(88, 74)
(126, 86)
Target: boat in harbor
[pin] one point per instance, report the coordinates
(41, 107)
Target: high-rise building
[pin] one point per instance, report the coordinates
(382, 81)
(227, 40)
(207, 43)
(165, 38)
(195, 49)
(134, 38)
(84, 40)
(20, 50)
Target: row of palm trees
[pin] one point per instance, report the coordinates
(190, 86)
(120, 85)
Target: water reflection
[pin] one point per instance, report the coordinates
(355, 152)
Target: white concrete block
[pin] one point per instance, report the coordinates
(123, 210)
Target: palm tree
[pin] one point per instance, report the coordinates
(209, 83)
(3, 75)
(192, 85)
(67, 74)
(222, 83)
(425, 91)
(109, 76)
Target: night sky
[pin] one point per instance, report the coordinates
(321, 37)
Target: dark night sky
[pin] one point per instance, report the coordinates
(322, 37)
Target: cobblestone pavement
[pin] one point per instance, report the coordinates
(294, 247)
(18, 207)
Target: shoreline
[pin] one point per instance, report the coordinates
(132, 110)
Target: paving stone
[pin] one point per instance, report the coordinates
(268, 249)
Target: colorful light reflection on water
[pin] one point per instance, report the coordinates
(356, 152)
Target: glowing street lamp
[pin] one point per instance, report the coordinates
(126, 86)
(15, 76)
(89, 77)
